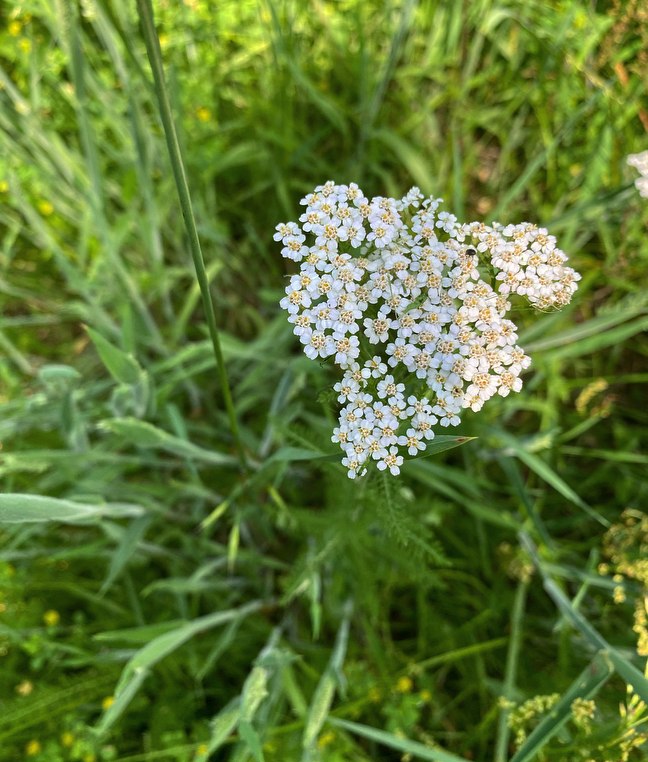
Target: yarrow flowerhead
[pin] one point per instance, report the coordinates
(412, 306)
(640, 162)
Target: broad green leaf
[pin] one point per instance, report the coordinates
(21, 509)
(143, 434)
(122, 366)
(416, 749)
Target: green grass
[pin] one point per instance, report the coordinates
(280, 611)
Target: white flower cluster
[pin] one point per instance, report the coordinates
(640, 162)
(412, 305)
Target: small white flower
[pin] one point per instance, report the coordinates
(346, 349)
(393, 461)
(374, 368)
(413, 441)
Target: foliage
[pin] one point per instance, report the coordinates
(161, 603)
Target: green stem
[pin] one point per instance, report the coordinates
(152, 41)
(501, 746)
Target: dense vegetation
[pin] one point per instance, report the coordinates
(160, 603)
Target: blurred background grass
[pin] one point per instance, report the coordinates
(287, 601)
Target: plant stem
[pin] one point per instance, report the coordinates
(154, 53)
(512, 656)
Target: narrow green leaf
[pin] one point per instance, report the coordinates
(548, 475)
(289, 454)
(574, 335)
(57, 375)
(122, 555)
(233, 545)
(512, 659)
(147, 657)
(223, 725)
(407, 155)
(625, 668)
(254, 692)
(325, 691)
(319, 709)
(441, 443)
(123, 696)
(586, 685)
(138, 635)
(512, 470)
(630, 674)
(251, 739)
(122, 366)
(403, 745)
(20, 509)
(144, 434)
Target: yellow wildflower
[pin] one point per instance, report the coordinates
(51, 618)
(24, 688)
(404, 684)
(33, 748)
(326, 739)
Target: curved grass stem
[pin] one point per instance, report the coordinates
(145, 10)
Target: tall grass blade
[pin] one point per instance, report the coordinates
(147, 657)
(325, 691)
(154, 52)
(413, 748)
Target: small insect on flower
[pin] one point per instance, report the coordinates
(412, 306)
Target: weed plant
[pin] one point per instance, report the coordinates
(160, 599)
